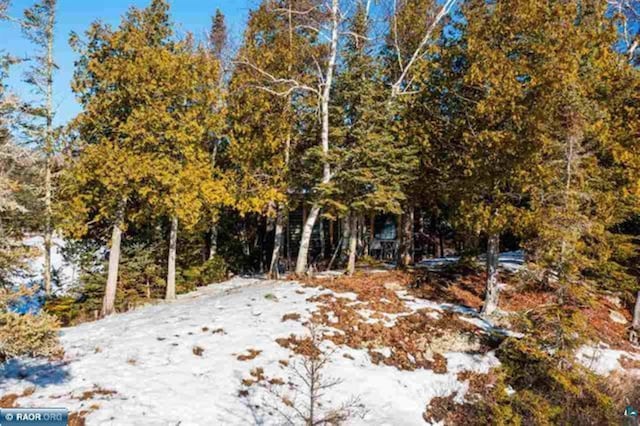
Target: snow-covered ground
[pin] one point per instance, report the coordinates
(149, 358)
(511, 261)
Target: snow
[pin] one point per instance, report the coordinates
(465, 313)
(511, 261)
(66, 272)
(147, 357)
(603, 360)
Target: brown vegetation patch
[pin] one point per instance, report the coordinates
(442, 409)
(413, 339)
(299, 345)
(96, 392)
(370, 288)
(257, 376)
(77, 418)
(629, 363)
(10, 400)
(445, 286)
(252, 353)
(198, 350)
(478, 382)
(613, 333)
(439, 364)
(291, 317)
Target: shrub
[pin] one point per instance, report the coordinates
(212, 271)
(30, 335)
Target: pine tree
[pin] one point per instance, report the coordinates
(15, 163)
(38, 26)
(500, 137)
(218, 37)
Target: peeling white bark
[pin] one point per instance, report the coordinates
(108, 302)
(171, 264)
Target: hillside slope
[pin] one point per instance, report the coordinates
(177, 363)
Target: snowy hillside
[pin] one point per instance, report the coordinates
(177, 363)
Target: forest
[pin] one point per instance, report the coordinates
(329, 143)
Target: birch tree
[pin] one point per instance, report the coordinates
(321, 21)
(263, 124)
(371, 166)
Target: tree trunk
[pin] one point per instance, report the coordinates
(48, 229)
(346, 234)
(213, 242)
(406, 240)
(48, 232)
(635, 325)
(493, 286)
(171, 264)
(305, 240)
(108, 302)
(325, 96)
(636, 314)
(322, 242)
(353, 244)
(278, 241)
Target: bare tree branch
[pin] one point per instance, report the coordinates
(396, 88)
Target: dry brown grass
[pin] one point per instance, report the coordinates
(252, 353)
(10, 400)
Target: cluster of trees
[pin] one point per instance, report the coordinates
(517, 117)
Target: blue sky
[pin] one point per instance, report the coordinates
(76, 15)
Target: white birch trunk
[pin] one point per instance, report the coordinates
(108, 302)
(305, 240)
(301, 263)
(353, 244)
(213, 242)
(171, 264)
(278, 241)
(493, 286)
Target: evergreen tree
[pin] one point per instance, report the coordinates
(538, 150)
(38, 26)
(266, 109)
(218, 37)
(147, 103)
(371, 167)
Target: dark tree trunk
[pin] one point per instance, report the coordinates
(353, 244)
(493, 286)
(406, 238)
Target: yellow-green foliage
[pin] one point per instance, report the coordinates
(548, 391)
(150, 108)
(212, 271)
(26, 335)
(548, 386)
(31, 335)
